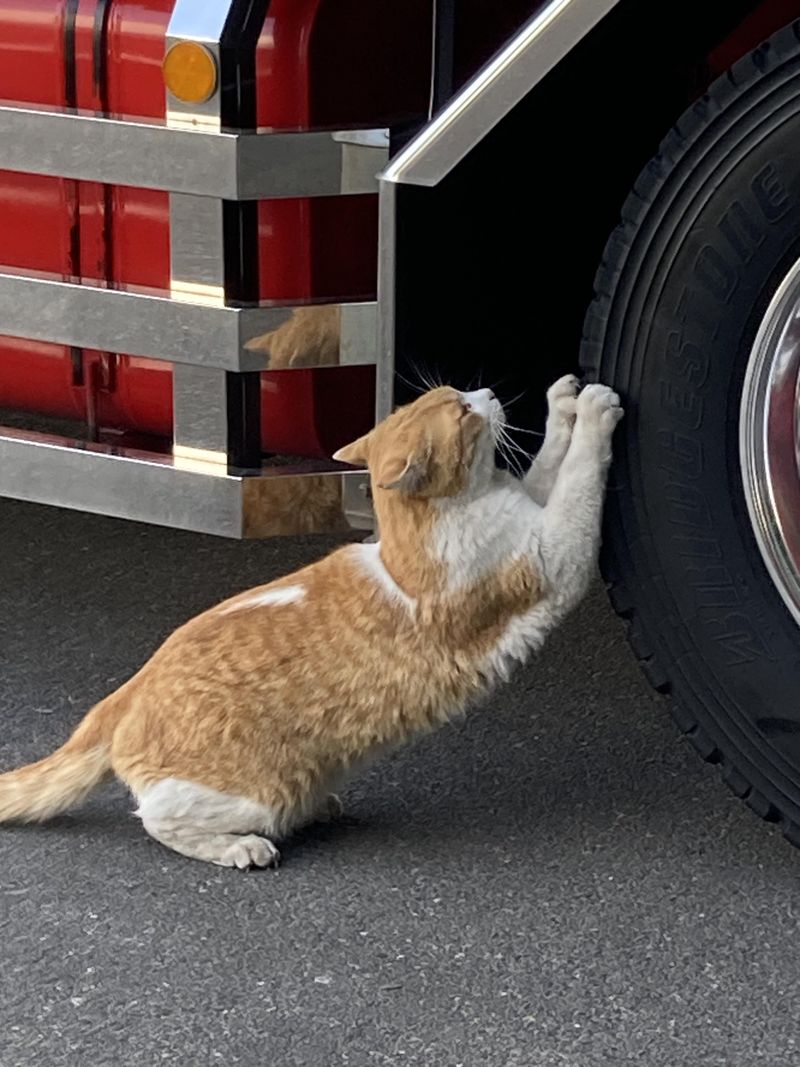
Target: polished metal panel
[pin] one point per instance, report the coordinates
(306, 164)
(193, 21)
(769, 439)
(200, 412)
(364, 155)
(144, 322)
(152, 488)
(138, 322)
(151, 155)
(366, 138)
(386, 326)
(358, 339)
(216, 416)
(359, 333)
(495, 90)
(204, 419)
(196, 249)
(357, 501)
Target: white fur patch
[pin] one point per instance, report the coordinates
(482, 401)
(287, 594)
(523, 635)
(368, 557)
(474, 534)
(174, 803)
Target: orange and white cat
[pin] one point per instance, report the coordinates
(241, 725)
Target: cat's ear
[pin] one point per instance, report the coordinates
(407, 473)
(356, 454)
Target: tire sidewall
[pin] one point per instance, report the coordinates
(676, 512)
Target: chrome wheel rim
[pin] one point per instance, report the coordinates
(769, 439)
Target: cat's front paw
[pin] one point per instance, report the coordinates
(598, 407)
(562, 397)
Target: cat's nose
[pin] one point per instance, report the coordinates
(480, 400)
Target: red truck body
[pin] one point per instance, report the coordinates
(318, 66)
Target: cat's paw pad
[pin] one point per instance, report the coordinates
(599, 405)
(562, 396)
(250, 851)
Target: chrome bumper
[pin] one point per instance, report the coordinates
(226, 165)
(142, 322)
(203, 323)
(190, 495)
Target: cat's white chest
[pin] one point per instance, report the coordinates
(480, 536)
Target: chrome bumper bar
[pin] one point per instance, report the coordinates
(228, 166)
(208, 498)
(205, 157)
(140, 322)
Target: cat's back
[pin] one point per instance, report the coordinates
(317, 616)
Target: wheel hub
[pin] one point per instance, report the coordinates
(769, 439)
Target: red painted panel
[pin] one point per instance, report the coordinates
(319, 63)
(134, 86)
(32, 39)
(38, 216)
(135, 50)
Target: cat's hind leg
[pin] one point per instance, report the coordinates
(205, 824)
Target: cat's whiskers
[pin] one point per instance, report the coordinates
(521, 429)
(511, 444)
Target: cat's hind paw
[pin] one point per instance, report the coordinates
(250, 851)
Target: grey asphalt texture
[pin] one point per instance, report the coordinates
(557, 880)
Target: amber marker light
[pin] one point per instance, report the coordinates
(190, 72)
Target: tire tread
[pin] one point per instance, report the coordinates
(746, 72)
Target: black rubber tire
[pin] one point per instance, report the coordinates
(710, 229)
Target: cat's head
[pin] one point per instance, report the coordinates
(439, 446)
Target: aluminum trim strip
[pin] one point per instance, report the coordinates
(151, 155)
(495, 90)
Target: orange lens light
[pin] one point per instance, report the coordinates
(190, 72)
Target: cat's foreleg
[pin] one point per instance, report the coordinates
(570, 531)
(561, 404)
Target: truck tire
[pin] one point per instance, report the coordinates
(696, 322)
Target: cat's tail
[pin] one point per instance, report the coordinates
(62, 780)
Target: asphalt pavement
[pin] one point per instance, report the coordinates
(556, 881)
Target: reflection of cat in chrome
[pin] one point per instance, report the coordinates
(310, 338)
(241, 725)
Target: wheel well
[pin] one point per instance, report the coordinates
(496, 264)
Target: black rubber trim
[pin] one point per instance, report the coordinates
(240, 219)
(70, 71)
(244, 419)
(100, 83)
(238, 110)
(443, 74)
(629, 242)
(237, 49)
(100, 51)
(71, 100)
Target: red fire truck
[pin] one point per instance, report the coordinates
(232, 232)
